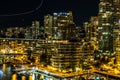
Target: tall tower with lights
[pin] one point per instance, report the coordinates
(61, 20)
(106, 25)
(48, 23)
(35, 29)
(109, 27)
(116, 31)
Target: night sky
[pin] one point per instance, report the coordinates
(82, 10)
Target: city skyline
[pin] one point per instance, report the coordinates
(58, 48)
(82, 11)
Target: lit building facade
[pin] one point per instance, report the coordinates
(109, 27)
(91, 44)
(61, 20)
(116, 31)
(70, 32)
(48, 24)
(35, 29)
(66, 55)
(9, 32)
(15, 50)
(91, 29)
(106, 25)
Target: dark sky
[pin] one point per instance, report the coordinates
(82, 10)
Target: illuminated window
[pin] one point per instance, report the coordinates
(105, 33)
(105, 15)
(100, 27)
(101, 9)
(119, 21)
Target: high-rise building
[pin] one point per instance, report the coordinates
(91, 35)
(35, 29)
(27, 32)
(66, 55)
(91, 29)
(116, 31)
(109, 27)
(106, 25)
(61, 20)
(48, 23)
(69, 32)
(37, 25)
(66, 47)
(9, 32)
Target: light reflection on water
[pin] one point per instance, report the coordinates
(30, 78)
(23, 78)
(4, 68)
(14, 77)
(6, 74)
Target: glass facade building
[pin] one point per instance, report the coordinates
(60, 21)
(106, 25)
(48, 24)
